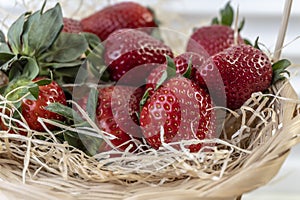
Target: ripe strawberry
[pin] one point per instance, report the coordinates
(182, 109)
(128, 48)
(118, 16)
(117, 114)
(71, 25)
(182, 63)
(31, 109)
(243, 69)
(212, 39)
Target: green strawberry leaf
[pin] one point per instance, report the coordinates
(168, 73)
(31, 69)
(5, 58)
(279, 68)
(31, 20)
(188, 72)
(92, 40)
(215, 20)
(34, 91)
(58, 65)
(227, 15)
(11, 61)
(2, 37)
(241, 26)
(14, 34)
(144, 99)
(42, 29)
(66, 48)
(92, 103)
(247, 42)
(4, 48)
(65, 111)
(43, 82)
(256, 44)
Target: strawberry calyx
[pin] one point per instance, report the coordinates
(35, 42)
(168, 73)
(279, 69)
(227, 17)
(23, 87)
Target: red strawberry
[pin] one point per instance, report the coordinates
(33, 109)
(243, 69)
(127, 48)
(118, 16)
(71, 25)
(117, 114)
(181, 63)
(212, 39)
(182, 109)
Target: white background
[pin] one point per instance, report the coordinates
(263, 18)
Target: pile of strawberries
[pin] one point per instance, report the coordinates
(145, 96)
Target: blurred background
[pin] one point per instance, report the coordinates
(263, 19)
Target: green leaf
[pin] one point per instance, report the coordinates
(92, 40)
(14, 34)
(215, 20)
(279, 68)
(65, 111)
(15, 85)
(31, 21)
(42, 30)
(168, 73)
(15, 71)
(31, 69)
(227, 15)
(2, 37)
(188, 72)
(144, 98)
(256, 44)
(8, 60)
(241, 26)
(247, 42)
(34, 91)
(4, 48)
(92, 103)
(57, 65)
(43, 82)
(66, 48)
(4, 58)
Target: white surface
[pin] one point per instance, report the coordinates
(263, 18)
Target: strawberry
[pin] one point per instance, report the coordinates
(116, 114)
(128, 48)
(182, 109)
(182, 64)
(118, 16)
(212, 39)
(71, 25)
(243, 69)
(32, 107)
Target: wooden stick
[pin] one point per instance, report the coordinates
(282, 30)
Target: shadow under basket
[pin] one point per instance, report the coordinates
(255, 142)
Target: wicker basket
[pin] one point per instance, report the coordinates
(33, 169)
(255, 142)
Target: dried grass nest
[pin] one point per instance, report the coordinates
(255, 142)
